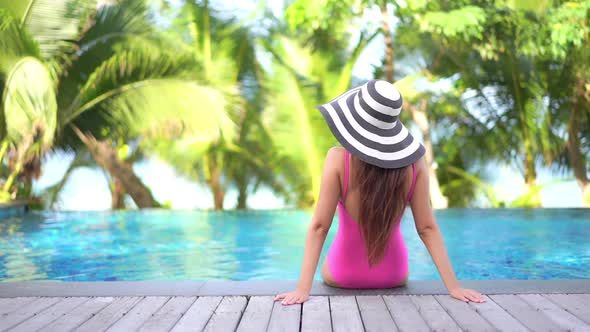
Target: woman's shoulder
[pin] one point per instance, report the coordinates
(334, 158)
(336, 152)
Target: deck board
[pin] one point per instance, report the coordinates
(80, 314)
(165, 318)
(497, 316)
(49, 314)
(227, 315)
(434, 314)
(374, 314)
(503, 312)
(557, 314)
(573, 303)
(284, 318)
(405, 314)
(139, 314)
(345, 314)
(103, 319)
(464, 314)
(316, 315)
(257, 314)
(29, 310)
(8, 305)
(198, 315)
(525, 313)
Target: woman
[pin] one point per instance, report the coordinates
(377, 171)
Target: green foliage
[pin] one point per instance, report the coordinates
(465, 22)
(29, 105)
(51, 21)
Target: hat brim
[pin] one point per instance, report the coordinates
(394, 147)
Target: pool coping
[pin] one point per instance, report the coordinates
(261, 287)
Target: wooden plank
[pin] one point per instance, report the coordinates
(165, 318)
(464, 314)
(284, 318)
(345, 314)
(433, 314)
(316, 315)
(573, 304)
(139, 314)
(584, 297)
(555, 313)
(47, 316)
(197, 316)
(13, 303)
(79, 315)
(405, 314)
(527, 315)
(497, 316)
(227, 315)
(110, 314)
(257, 314)
(374, 314)
(27, 311)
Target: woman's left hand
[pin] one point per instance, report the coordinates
(466, 295)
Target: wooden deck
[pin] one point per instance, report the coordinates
(504, 312)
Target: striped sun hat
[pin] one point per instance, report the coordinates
(365, 120)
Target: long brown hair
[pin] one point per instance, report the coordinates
(382, 201)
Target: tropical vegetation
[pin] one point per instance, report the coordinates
(229, 101)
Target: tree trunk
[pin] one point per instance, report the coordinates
(106, 157)
(242, 185)
(214, 182)
(419, 115)
(530, 169)
(117, 195)
(388, 70)
(439, 201)
(577, 159)
(530, 172)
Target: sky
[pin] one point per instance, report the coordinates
(88, 189)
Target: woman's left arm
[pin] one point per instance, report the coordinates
(318, 229)
(430, 234)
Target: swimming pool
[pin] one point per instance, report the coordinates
(268, 245)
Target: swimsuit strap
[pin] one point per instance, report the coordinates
(346, 167)
(413, 182)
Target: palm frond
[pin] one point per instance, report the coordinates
(293, 115)
(29, 107)
(111, 29)
(49, 21)
(123, 72)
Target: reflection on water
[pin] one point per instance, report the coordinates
(194, 245)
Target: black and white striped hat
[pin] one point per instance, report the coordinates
(366, 121)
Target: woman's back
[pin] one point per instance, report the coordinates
(348, 259)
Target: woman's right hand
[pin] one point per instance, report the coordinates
(295, 297)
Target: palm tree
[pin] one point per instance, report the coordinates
(311, 62)
(496, 73)
(335, 17)
(103, 79)
(230, 67)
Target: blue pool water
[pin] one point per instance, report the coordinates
(192, 245)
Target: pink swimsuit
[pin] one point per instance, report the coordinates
(347, 257)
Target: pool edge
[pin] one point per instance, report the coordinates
(247, 288)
